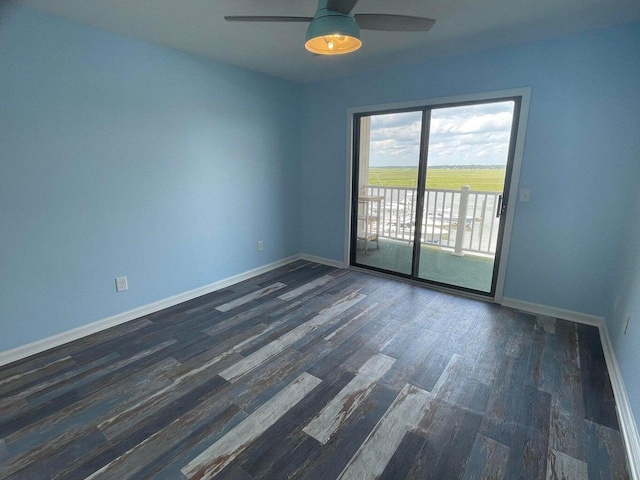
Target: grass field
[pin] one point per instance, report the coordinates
(483, 179)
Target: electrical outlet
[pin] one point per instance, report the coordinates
(525, 194)
(626, 323)
(121, 284)
(260, 246)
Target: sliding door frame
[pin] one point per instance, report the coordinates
(519, 123)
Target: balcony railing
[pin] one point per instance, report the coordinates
(441, 225)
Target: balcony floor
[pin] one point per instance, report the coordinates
(469, 271)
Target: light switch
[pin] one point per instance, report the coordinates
(525, 194)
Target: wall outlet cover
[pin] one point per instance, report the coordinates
(121, 284)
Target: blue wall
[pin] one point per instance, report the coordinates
(578, 158)
(627, 286)
(118, 157)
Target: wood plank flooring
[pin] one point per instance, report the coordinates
(316, 373)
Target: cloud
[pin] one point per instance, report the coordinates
(392, 120)
(473, 134)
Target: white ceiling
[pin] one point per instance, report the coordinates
(198, 26)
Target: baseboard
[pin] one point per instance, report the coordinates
(39, 346)
(560, 313)
(628, 425)
(324, 261)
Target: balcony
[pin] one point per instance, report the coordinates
(459, 234)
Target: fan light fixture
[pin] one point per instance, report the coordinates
(332, 33)
(335, 30)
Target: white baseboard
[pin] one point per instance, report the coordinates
(628, 425)
(324, 261)
(39, 346)
(560, 313)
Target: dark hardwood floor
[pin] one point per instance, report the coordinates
(316, 373)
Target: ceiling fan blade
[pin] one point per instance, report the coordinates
(393, 23)
(341, 6)
(245, 18)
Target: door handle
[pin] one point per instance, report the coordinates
(500, 206)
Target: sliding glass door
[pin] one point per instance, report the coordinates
(389, 157)
(430, 189)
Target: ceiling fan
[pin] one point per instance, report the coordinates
(334, 30)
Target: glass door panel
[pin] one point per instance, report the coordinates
(467, 160)
(388, 155)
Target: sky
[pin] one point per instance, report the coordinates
(469, 135)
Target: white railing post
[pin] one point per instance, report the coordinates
(462, 219)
